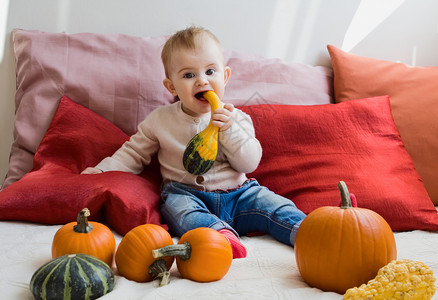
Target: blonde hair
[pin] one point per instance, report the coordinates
(185, 39)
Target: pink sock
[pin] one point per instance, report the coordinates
(239, 251)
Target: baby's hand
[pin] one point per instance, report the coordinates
(223, 117)
(92, 170)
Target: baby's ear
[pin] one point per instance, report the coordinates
(168, 84)
(227, 74)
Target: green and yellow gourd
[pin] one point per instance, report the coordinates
(201, 151)
(72, 276)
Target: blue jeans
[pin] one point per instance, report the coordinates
(247, 208)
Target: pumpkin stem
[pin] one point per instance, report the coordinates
(82, 226)
(345, 195)
(158, 270)
(183, 251)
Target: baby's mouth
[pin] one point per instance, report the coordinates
(200, 96)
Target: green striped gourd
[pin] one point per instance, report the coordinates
(73, 276)
(201, 150)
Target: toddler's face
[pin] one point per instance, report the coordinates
(192, 72)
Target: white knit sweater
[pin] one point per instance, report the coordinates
(167, 130)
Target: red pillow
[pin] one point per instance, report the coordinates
(54, 192)
(307, 150)
(413, 93)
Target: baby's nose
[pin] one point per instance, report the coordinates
(202, 80)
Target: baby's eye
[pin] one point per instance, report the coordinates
(189, 75)
(210, 72)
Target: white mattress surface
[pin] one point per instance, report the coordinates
(268, 272)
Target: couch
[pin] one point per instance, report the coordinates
(368, 122)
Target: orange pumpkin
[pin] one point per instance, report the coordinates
(134, 255)
(202, 255)
(337, 248)
(85, 237)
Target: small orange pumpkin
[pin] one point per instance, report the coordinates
(85, 237)
(134, 254)
(337, 248)
(202, 255)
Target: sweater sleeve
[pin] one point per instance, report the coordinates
(135, 153)
(240, 145)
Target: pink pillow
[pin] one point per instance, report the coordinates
(115, 75)
(257, 80)
(307, 150)
(413, 92)
(54, 192)
(120, 77)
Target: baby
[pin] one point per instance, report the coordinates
(223, 198)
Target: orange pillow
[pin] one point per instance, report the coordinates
(413, 93)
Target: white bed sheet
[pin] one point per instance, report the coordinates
(268, 272)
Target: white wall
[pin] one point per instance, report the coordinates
(294, 30)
